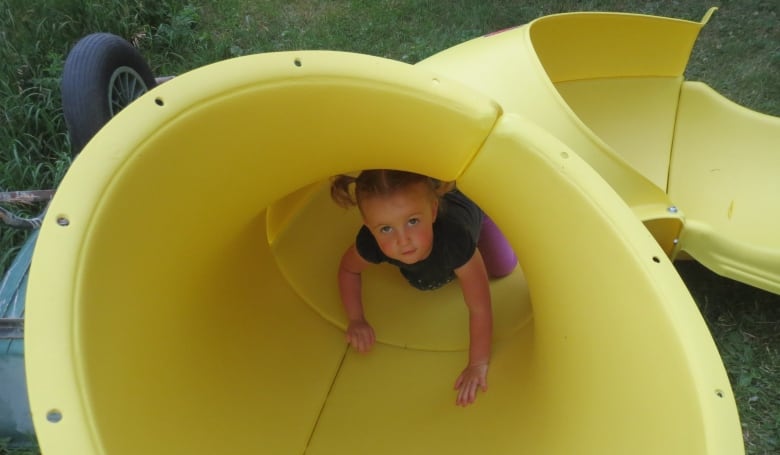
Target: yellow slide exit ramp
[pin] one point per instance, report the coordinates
(183, 298)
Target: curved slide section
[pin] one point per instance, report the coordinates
(183, 299)
(697, 169)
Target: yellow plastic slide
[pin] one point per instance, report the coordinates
(698, 170)
(183, 298)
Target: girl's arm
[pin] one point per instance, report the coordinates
(359, 333)
(473, 281)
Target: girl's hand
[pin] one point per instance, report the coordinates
(472, 378)
(360, 335)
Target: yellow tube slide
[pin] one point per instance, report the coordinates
(183, 296)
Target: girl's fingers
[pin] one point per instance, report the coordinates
(361, 337)
(471, 393)
(360, 345)
(362, 342)
(467, 390)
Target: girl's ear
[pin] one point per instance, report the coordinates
(435, 208)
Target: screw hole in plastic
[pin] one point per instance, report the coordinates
(63, 221)
(159, 102)
(298, 62)
(656, 259)
(719, 393)
(54, 416)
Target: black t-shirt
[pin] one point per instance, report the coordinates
(455, 236)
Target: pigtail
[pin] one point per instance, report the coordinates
(441, 188)
(339, 190)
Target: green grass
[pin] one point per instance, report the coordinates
(738, 54)
(34, 148)
(7, 448)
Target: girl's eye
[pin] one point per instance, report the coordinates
(413, 221)
(385, 229)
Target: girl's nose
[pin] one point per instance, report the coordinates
(403, 238)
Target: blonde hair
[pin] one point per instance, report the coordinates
(381, 182)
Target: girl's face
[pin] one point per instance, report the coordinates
(402, 223)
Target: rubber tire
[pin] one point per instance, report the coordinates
(86, 78)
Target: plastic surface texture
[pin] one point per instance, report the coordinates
(210, 325)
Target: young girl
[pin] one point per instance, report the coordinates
(433, 234)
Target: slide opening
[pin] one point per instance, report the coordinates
(402, 316)
(189, 304)
(628, 96)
